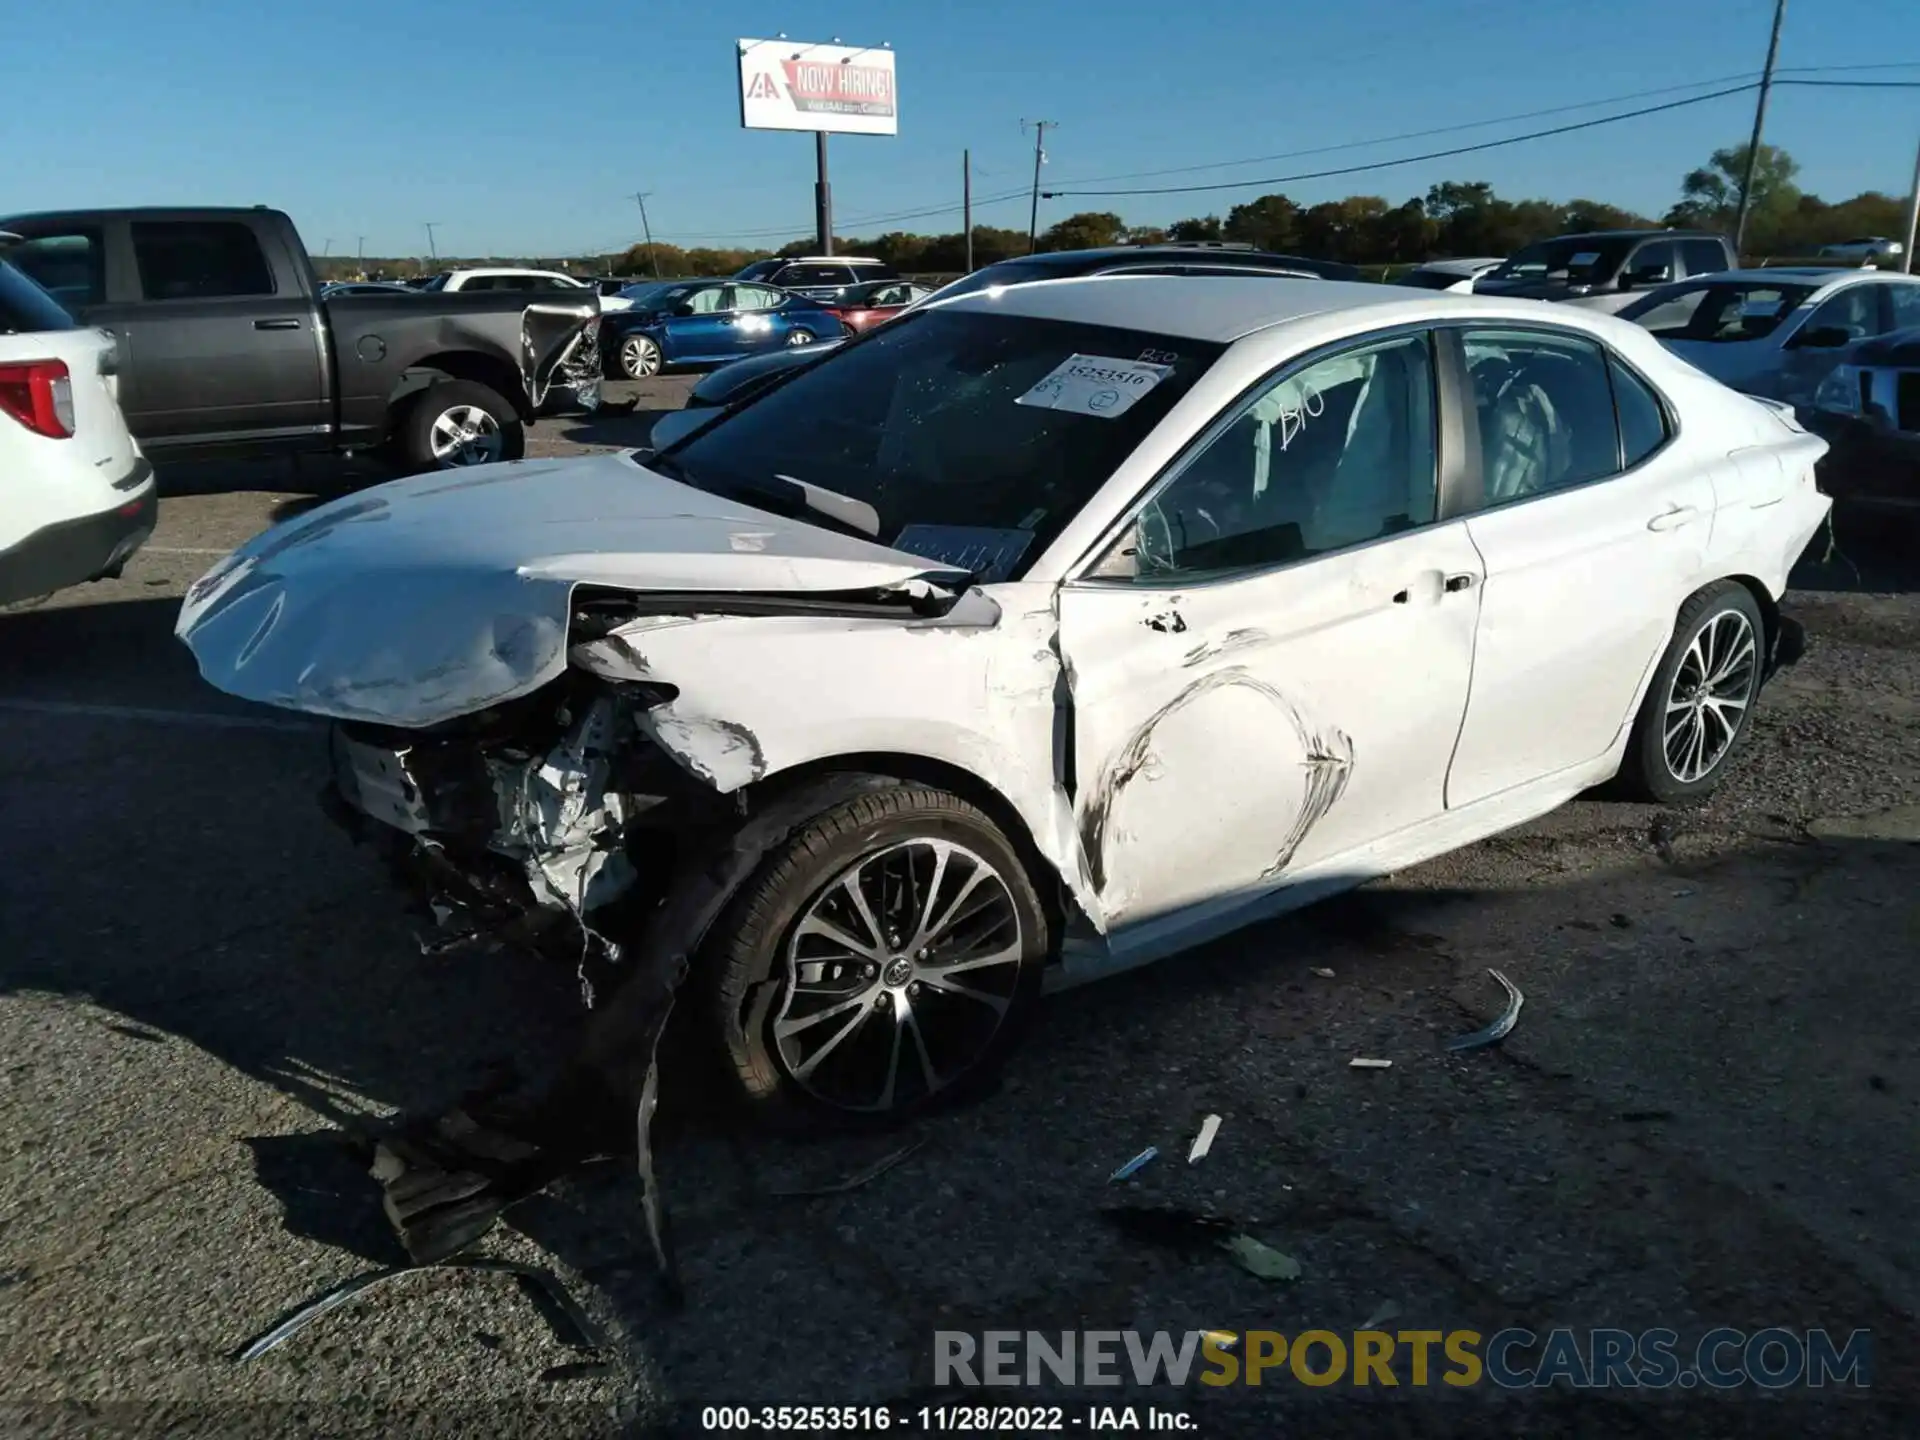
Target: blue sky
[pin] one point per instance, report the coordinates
(526, 129)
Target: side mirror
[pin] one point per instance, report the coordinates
(1823, 337)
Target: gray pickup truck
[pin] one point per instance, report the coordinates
(227, 349)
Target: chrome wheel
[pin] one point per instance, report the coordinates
(799, 337)
(639, 357)
(465, 435)
(900, 972)
(1712, 688)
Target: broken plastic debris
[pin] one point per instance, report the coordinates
(1189, 1231)
(1386, 1310)
(1134, 1166)
(1258, 1258)
(1203, 1142)
(855, 1180)
(1322, 971)
(1499, 1029)
(1360, 1062)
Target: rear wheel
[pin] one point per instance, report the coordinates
(800, 337)
(639, 357)
(459, 423)
(882, 961)
(1698, 707)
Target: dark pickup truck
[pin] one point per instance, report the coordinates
(227, 350)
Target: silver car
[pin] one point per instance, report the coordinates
(1776, 332)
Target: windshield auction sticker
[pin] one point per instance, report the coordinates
(1094, 385)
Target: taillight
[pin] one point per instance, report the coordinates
(39, 394)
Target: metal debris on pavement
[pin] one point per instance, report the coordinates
(1203, 1142)
(855, 1180)
(570, 1324)
(1360, 1062)
(1134, 1166)
(1322, 971)
(1499, 1029)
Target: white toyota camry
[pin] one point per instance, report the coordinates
(1033, 636)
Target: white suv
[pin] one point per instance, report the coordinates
(79, 495)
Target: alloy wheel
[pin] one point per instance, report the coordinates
(639, 357)
(799, 337)
(1712, 688)
(465, 435)
(900, 972)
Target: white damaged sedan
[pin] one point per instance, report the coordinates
(1036, 635)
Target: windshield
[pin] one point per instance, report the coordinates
(1573, 257)
(438, 282)
(971, 439)
(1717, 312)
(759, 270)
(655, 296)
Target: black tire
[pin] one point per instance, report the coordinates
(749, 977)
(415, 438)
(1649, 771)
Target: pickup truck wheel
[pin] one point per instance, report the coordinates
(460, 423)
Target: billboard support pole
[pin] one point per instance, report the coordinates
(966, 204)
(822, 194)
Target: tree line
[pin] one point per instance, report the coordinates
(1455, 218)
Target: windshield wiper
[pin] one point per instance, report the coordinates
(856, 515)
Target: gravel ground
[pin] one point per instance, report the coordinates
(1705, 1116)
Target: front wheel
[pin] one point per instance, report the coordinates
(883, 960)
(1700, 702)
(797, 338)
(459, 423)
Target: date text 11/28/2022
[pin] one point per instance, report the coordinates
(943, 1419)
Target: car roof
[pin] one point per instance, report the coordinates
(1810, 274)
(1637, 234)
(1219, 308)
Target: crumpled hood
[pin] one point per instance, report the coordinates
(439, 595)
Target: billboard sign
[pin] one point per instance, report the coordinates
(790, 85)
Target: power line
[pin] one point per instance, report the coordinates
(1417, 159)
(1856, 84)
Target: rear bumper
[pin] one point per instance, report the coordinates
(93, 547)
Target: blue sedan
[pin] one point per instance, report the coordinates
(708, 322)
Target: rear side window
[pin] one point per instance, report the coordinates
(199, 260)
(71, 268)
(1702, 257)
(1643, 419)
(25, 308)
(1546, 412)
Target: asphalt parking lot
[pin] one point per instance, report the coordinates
(1706, 1115)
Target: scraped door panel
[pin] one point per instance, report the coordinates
(1231, 734)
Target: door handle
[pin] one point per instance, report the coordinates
(1674, 518)
(276, 324)
(1457, 583)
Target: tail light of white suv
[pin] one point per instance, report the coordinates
(39, 394)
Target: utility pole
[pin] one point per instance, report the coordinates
(822, 194)
(1039, 159)
(966, 203)
(653, 258)
(1759, 124)
(1913, 218)
(326, 247)
(432, 249)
